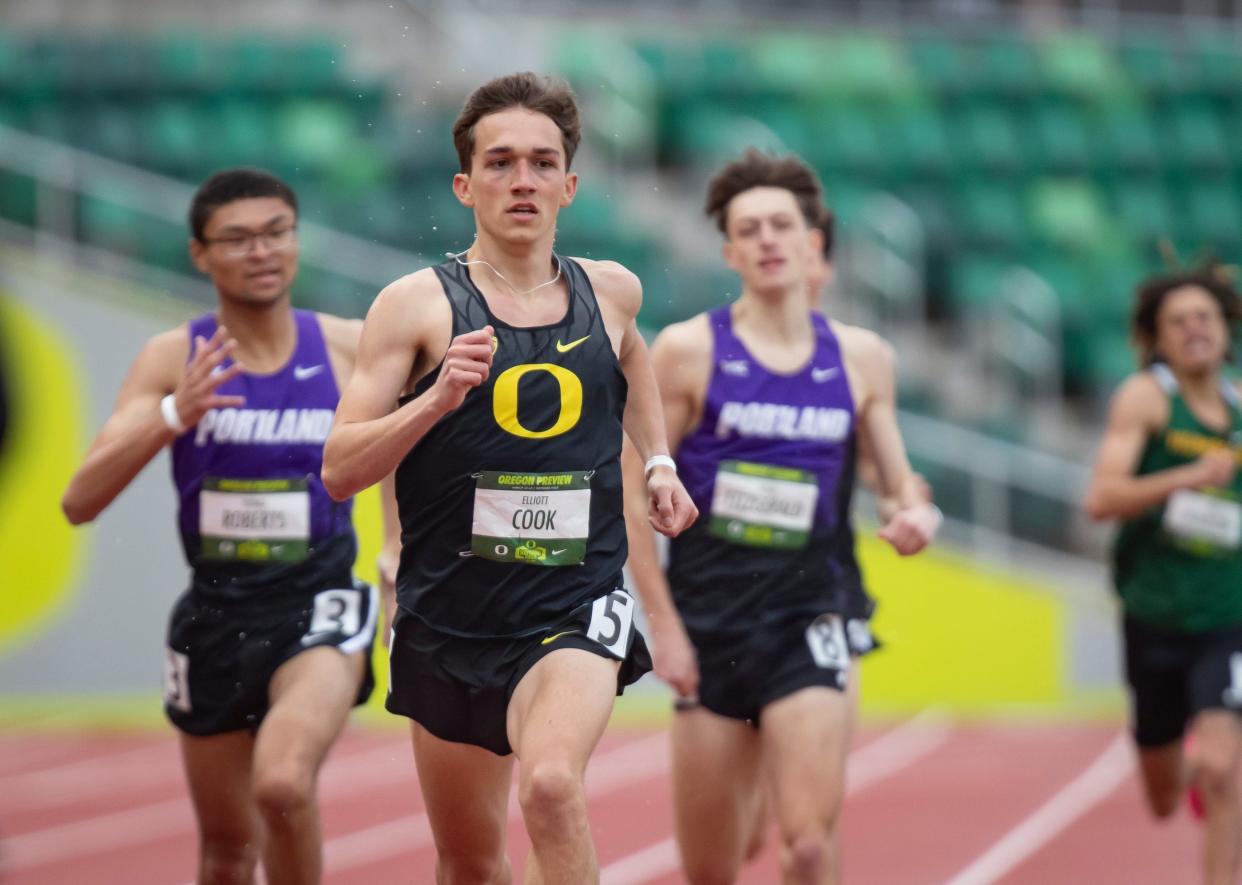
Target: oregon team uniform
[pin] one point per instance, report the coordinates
(513, 531)
(757, 579)
(1178, 569)
(271, 552)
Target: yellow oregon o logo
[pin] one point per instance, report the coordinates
(505, 400)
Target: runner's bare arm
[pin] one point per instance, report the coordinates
(886, 506)
(915, 521)
(137, 430)
(673, 655)
(369, 437)
(1139, 408)
(342, 337)
(671, 508)
(390, 552)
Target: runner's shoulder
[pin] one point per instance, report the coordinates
(615, 283)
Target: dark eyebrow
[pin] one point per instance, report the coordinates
(505, 149)
(242, 229)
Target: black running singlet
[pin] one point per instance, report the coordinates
(511, 505)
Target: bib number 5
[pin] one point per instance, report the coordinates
(612, 622)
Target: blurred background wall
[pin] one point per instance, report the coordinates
(1002, 172)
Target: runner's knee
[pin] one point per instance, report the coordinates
(282, 794)
(807, 856)
(549, 790)
(1215, 776)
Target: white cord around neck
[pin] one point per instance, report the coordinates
(456, 256)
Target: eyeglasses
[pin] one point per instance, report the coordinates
(278, 240)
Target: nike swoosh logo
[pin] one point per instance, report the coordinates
(303, 372)
(821, 375)
(565, 348)
(558, 552)
(548, 640)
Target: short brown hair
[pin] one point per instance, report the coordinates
(757, 169)
(551, 97)
(1150, 294)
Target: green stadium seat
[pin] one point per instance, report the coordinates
(1004, 65)
(314, 134)
(183, 63)
(1126, 139)
(844, 138)
(1214, 218)
(1195, 138)
(1067, 213)
(987, 138)
(1142, 207)
(18, 200)
(918, 138)
(1075, 63)
(990, 214)
(939, 64)
(110, 128)
(975, 282)
(1216, 63)
(1154, 65)
(174, 138)
(1060, 138)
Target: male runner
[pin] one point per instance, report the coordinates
(1167, 468)
(269, 648)
(514, 633)
(764, 402)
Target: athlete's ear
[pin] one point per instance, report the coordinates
(729, 254)
(816, 238)
(571, 188)
(461, 189)
(198, 255)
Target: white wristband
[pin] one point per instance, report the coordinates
(168, 408)
(659, 461)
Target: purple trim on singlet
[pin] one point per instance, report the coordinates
(278, 433)
(803, 420)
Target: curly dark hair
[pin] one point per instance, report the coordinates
(757, 169)
(1215, 279)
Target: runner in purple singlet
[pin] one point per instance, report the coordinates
(269, 648)
(765, 403)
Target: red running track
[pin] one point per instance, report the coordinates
(929, 803)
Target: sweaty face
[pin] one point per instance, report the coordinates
(518, 179)
(249, 249)
(1191, 333)
(768, 243)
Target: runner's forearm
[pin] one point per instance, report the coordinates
(111, 466)
(358, 454)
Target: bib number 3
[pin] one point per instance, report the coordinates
(612, 622)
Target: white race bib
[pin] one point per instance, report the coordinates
(535, 518)
(758, 505)
(255, 519)
(1203, 519)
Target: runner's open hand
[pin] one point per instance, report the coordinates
(467, 363)
(196, 393)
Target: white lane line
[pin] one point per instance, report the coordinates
(50, 777)
(346, 776)
(631, 763)
(873, 762)
(1071, 802)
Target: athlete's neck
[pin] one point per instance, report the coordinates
(777, 316)
(266, 334)
(521, 266)
(1203, 386)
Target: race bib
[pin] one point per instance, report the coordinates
(758, 505)
(532, 518)
(257, 520)
(1203, 522)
